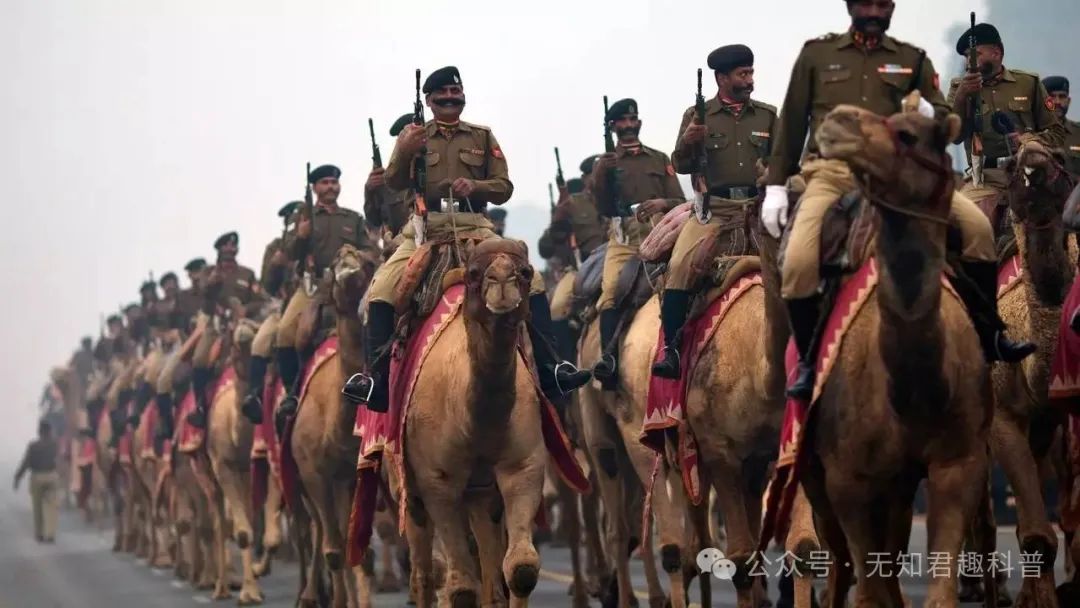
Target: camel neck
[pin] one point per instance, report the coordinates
(492, 348)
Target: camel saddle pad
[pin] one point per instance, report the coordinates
(1065, 367)
(636, 283)
(1009, 274)
(421, 284)
(123, 448)
(381, 432)
(665, 406)
(660, 241)
(326, 350)
(589, 278)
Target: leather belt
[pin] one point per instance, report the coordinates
(459, 206)
(735, 193)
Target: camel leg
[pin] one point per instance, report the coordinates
(597, 561)
(486, 524)
(309, 594)
(221, 556)
(570, 524)
(731, 488)
(462, 580)
(802, 542)
(271, 527)
(1037, 539)
(237, 493)
(953, 492)
(420, 535)
(518, 483)
(697, 537)
(386, 528)
(669, 515)
(323, 506)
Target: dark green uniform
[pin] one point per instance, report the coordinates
(738, 137)
(1072, 146)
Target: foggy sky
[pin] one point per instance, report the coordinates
(135, 133)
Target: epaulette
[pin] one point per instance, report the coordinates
(476, 126)
(905, 44)
(1025, 73)
(654, 151)
(764, 106)
(831, 37)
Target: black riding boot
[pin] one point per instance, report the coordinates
(673, 310)
(200, 379)
(253, 406)
(288, 361)
(373, 389)
(978, 290)
(804, 313)
(143, 396)
(606, 369)
(565, 339)
(163, 401)
(557, 378)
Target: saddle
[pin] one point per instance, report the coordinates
(434, 266)
(588, 280)
(317, 321)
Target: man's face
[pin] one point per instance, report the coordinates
(327, 190)
(227, 252)
(1061, 101)
(447, 103)
(170, 287)
(627, 127)
(737, 84)
(114, 328)
(989, 57)
(871, 17)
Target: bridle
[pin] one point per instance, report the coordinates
(1054, 173)
(940, 167)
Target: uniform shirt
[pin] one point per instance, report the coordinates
(40, 457)
(583, 221)
(83, 363)
(834, 70)
(1022, 96)
(188, 302)
(467, 150)
(1072, 146)
(236, 282)
(330, 229)
(275, 280)
(735, 140)
(646, 174)
(386, 208)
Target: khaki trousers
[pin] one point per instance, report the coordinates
(562, 297)
(43, 495)
(995, 181)
(616, 257)
(439, 225)
(290, 319)
(826, 182)
(265, 339)
(692, 235)
(201, 356)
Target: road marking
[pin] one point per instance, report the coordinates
(201, 599)
(177, 584)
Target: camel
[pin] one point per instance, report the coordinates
(111, 425)
(494, 433)
(193, 526)
(611, 425)
(908, 391)
(1023, 424)
(323, 445)
(147, 466)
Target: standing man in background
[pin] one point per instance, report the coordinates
(40, 460)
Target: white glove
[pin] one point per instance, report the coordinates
(774, 209)
(926, 108)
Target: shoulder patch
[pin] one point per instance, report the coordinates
(1049, 103)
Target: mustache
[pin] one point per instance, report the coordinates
(450, 102)
(743, 90)
(627, 131)
(861, 23)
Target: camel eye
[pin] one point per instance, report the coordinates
(526, 273)
(907, 137)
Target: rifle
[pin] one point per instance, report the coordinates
(701, 204)
(613, 174)
(551, 197)
(420, 210)
(975, 111)
(376, 157)
(306, 261)
(559, 181)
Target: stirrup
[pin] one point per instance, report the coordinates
(670, 353)
(356, 379)
(574, 370)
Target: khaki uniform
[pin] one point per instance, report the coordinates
(646, 174)
(1022, 96)
(40, 460)
(330, 230)
(736, 139)
(469, 151)
(276, 281)
(236, 282)
(388, 209)
(582, 220)
(1072, 146)
(830, 71)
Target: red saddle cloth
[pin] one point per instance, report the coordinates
(188, 438)
(380, 433)
(265, 451)
(665, 409)
(1065, 367)
(289, 473)
(123, 446)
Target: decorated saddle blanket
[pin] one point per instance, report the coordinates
(1065, 367)
(665, 409)
(289, 474)
(780, 494)
(381, 433)
(188, 438)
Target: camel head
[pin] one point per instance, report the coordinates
(1038, 184)
(498, 275)
(901, 161)
(350, 274)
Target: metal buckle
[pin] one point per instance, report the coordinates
(371, 386)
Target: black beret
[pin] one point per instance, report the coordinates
(166, 277)
(984, 34)
(114, 318)
(324, 171)
(727, 58)
(148, 286)
(587, 164)
(195, 265)
(228, 237)
(131, 307)
(288, 209)
(575, 185)
(619, 108)
(440, 78)
(399, 124)
(497, 213)
(1056, 84)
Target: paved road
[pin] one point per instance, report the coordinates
(80, 571)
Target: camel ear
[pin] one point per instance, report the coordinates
(952, 127)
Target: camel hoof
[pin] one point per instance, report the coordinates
(333, 561)
(671, 558)
(523, 580)
(250, 599)
(221, 593)
(262, 569)
(388, 584)
(463, 598)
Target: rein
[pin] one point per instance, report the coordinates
(942, 190)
